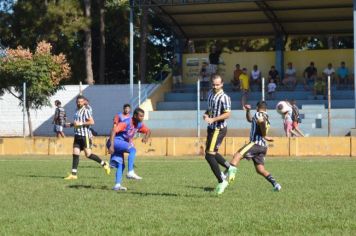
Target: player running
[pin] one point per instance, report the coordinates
(120, 141)
(256, 149)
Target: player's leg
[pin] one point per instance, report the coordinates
(260, 169)
(131, 161)
(75, 161)
(117, 161)
(219, 158)
(210, 156)
(234, 163)
(88, 153)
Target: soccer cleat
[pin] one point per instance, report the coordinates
(71, 177)
(220, 188)
(224, 175)
(107, 168)
(277, 187)
(133, 175)
(231, 173)
(118, 187)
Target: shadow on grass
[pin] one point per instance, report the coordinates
(144, 194)
(86, 186)
(206, 189)
(42, 176)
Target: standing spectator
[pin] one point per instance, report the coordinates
(255, 77)
(244, 86)
(273, 74)
(342, 75)
(214, 60)
(271, 88)
(329, 71)
(290, 78)
(310, 74)
(177, 75)
(295, 119)
(236, 80)
(59, 119)
(204, 81)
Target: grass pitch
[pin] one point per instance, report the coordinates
(175, 198)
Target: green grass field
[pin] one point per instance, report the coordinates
(175, 198)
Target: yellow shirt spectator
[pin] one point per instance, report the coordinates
(244, 82)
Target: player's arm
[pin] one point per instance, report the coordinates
(117, 127)
(248, 113)
(223, 116)
(145, 130)
(263, 126)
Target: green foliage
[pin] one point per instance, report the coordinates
(175, 198)
(41, 71)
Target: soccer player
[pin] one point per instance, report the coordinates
(120, 141)
(256, 149)
(83, 119)
(59, 119)
(125, 114)
(219, 107)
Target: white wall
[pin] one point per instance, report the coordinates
(106, 101)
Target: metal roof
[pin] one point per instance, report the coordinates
(203, 19)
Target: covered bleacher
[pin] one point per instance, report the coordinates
(280, 19)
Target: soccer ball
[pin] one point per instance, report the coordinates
(283, 107)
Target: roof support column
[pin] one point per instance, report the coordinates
(178, 49)
(279, 41)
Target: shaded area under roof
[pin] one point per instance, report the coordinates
(205, 19)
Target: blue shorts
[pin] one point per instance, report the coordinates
(120, 147)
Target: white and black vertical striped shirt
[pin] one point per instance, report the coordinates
(82, 115)
(218, 103)
(256, 132)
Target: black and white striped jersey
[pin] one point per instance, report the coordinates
(256, 135)
(218, 103)
(82, 115)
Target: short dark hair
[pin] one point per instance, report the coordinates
(81, 97)
(57, 102)
(261, 105)
(217, 76)
(126, 105)
(138, 110)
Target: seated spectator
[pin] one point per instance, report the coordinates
(204, 81)
(244, 86)
(310, 73)
(290, 78)
(273, 74)
(236, 80)
(342, 75)
(255, 77)
(319, 87)
(271, 89)
(329, 71)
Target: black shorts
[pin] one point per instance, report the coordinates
(255, 152)
(82, 142)
(214, 139)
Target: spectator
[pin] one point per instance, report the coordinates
(290, 78)
(329, 71)
(273, 74)
(244, 86)
(319, 88)
(310, 74)
(177, 75)
(59, 119)
(342, 75)
(214, 60)
(236, 80)
(295, 119)
(204, 81)
(255, 77)
(271, 88)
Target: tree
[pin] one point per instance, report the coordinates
(88, 45)
(101, 4)
(42, 72)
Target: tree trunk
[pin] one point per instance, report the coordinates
(88, 45)
(29, 121)
(101, 4)
(143, 44)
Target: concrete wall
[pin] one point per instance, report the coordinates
(106, 101)
(300, 59)
(182, 146)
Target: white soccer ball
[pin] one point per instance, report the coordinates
(283, 107)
